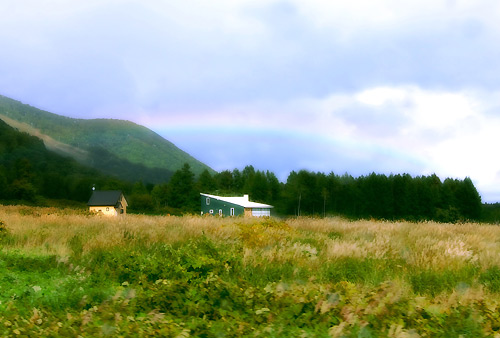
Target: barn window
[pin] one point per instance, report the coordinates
(220, 212)
(211, 211)
(231, 212)
(208, 200)
(259, 212)
(107, 208)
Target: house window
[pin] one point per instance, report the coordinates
(220, 212)
(231, 212)
(208, 200)
(259, 212)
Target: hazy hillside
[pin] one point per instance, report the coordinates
(28, 170)
(124, 142)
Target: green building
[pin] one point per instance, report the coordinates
(233, 206)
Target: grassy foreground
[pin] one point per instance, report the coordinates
(69, 274)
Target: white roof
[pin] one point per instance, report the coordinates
(243, 201)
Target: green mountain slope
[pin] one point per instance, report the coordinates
(28, 170)
(87, 140)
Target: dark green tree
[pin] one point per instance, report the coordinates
(206, 182)
(273, 188)
(160, 195)
(402, 187)
(468, 200)
(3, 183)
(140, 199)
(258, 187)
(181, 190)
(238, 182)
(224, 181)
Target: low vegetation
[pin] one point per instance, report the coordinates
(67, 273)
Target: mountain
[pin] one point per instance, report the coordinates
(28, 170)
(116, 147)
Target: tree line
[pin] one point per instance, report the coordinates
(317, 194)
(30, 173)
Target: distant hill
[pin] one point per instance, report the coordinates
(117, 147)
(28, 170)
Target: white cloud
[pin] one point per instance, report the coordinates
(333, 74)
(395, 129)
(364, 16)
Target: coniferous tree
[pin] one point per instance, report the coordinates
(258, 187)
(469, 200)
(402, 190)
(206, 183)
(224, 181)
(181, 191)
(273, 186)
(160, 195)
(238, 182)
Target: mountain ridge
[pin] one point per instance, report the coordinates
(81, 138)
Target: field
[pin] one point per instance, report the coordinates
(66, 273)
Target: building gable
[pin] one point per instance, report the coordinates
(111, 202)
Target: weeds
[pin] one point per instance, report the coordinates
(70, 274)
(3, 229)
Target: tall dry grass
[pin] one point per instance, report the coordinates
(50, 230)
(304, 241)
(432, 277)
(423, 245)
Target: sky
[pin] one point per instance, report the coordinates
(357, 86)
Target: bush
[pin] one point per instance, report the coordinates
(3, 229)
(491, 278)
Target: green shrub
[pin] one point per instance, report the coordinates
(431, 282)
(3, 229)
(370, 270)
(491, 279)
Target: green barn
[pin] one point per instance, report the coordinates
(233, 206)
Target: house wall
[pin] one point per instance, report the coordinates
(248, 212)
(215, 205)
(105, 210)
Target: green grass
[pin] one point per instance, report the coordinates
(206, 277)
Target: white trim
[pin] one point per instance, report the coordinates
(241, 201)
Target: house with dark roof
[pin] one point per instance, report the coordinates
(108, 202)
(233, 206)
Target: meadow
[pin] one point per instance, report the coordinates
(64, 272)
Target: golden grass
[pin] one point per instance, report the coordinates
(308, 252)
(425, 245)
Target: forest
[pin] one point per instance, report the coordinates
(308, 193)
(30, 173)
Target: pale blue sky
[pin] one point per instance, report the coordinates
(345, 86)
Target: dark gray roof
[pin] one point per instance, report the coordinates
(105, 198)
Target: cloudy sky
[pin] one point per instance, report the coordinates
(354, 86)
